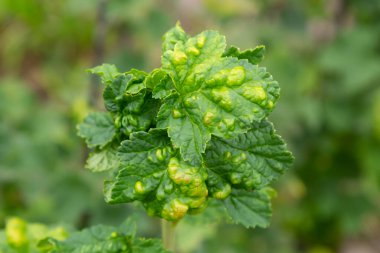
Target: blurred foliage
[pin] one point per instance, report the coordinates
(22, 237)
(325, 54)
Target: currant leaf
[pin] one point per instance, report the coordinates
(250, 208)
(250, 160)
(213, 94)
(97, 129)
(152, 172)
(254, 56)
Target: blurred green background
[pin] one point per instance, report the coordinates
(324, 53)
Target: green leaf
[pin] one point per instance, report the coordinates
(190, 136)
(97, 239)
(97, 129)
(102, 160)
(250, 209)
(163, 84)
(152, 172)
(122, 89)
(139, 113)
(172, 36)
(254, 56)
(137, 82)
(214, 95)
(107, 72)
(103, 239)
(140, 161)
(251, 160)
(113, 93)
(148, 246)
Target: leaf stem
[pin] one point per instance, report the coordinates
(168, 235)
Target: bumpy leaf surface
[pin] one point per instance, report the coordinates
(213, 94)
(251, 160)
(97, 129)
(249, 208)
(191, 131)
(152, 172)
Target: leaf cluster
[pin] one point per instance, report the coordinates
(192, 130)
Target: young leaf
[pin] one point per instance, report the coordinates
(254, 56)
(120, 90)
(251, 160)
(173, 36)
(107, 72)
(249, 208)
(138, 113)
(214, 95)
(162, 84)
(97, 129)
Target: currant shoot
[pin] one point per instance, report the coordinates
(193, 130)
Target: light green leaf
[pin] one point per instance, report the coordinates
(152, 172)
(214, 95)
(254, 56)
(250, 209)
(107, 72)
(102, 160)
(97, 129)
(172, 36)
(251, 160)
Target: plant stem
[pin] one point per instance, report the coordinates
(168, 235)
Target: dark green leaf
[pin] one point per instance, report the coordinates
(152, 172)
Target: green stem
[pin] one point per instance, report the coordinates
(168, 235)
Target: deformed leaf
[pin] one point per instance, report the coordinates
(172, 36)
(250, 208)
(118, 93)
(163, 84)
(97, 129)
(254, 56)
(250, 160)
(214, 94)
(137, 82)
(152, 172)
